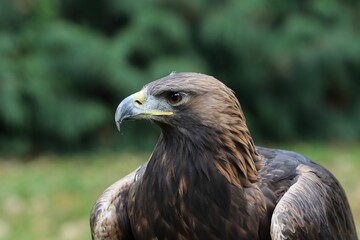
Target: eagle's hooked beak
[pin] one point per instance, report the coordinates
(137, 106)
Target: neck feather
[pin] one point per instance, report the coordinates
(207, 152)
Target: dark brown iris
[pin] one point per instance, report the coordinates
(174, 98)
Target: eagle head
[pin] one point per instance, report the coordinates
(185, 101)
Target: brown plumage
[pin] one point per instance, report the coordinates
(207, 180)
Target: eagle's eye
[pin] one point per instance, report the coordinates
(174, 98)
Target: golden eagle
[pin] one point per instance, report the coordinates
(207, 180)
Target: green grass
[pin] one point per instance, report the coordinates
(50, 197)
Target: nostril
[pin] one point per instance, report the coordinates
(138, 102)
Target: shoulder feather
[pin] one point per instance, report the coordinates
(109, 216)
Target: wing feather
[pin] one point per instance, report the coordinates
(314, 207)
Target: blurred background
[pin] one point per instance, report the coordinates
(65, 66)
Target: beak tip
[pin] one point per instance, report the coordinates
(118, 118)
(118, 124)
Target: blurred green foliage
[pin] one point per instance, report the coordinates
(65, 65)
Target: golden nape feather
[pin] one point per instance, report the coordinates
(207, 180)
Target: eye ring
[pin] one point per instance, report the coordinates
(174, 98)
